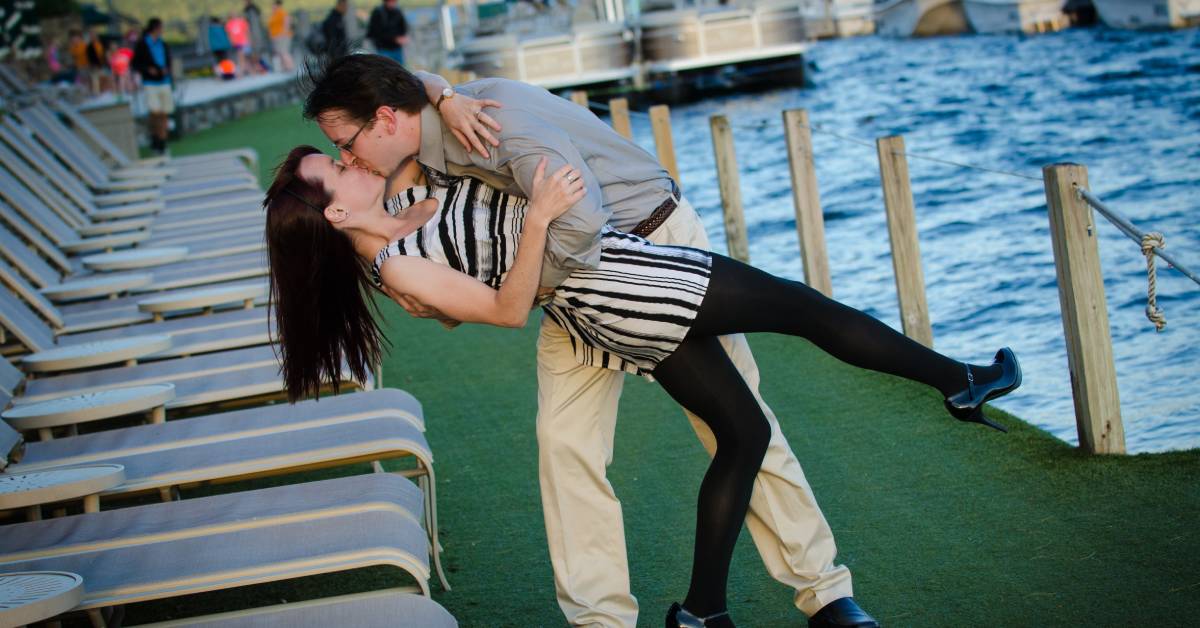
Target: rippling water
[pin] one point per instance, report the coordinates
(1125, 104)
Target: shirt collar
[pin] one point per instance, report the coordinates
(433, 149)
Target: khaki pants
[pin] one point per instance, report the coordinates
(577, 413)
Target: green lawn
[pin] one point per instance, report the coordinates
(942, 523)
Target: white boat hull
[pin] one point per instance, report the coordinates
(1148, 14)
(920, 18)
(853, 17)
(1015, 16)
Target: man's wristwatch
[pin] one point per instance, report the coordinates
(447, 94)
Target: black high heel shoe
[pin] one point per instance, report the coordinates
(967, 404)
(679, 617)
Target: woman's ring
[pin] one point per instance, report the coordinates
(478, 113)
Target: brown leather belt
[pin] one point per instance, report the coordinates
(659, 215)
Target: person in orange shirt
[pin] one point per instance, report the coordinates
(77, 48)
(238, 30)
(279, 26)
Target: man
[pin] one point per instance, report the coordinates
(333, 30)
(152, 60)
(388, 30)
(374, 111)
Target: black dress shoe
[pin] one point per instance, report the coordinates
(840, 613)
(967, 404)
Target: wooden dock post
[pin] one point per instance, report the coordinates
(1084, 311)
(579, 97)
(810, 223)
(731, 189)
(618, 109)
(902, 231)
(660, 123)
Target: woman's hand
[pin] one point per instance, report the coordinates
(465, 118)
(552, 196)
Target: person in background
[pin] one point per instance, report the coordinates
(333, 30)
(59, 73)
(120, 57)
(218, 40)
(77, 49)
(279, 27)
(238, 30)
(97, 63)
(257, 32)
(152, 61)
(388, 30)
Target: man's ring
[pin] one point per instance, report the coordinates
(478, 113)
(571, 177)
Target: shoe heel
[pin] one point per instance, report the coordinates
(978, 417)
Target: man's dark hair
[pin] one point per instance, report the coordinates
(359, 84)
(152, 25)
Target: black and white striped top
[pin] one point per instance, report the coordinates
(628, 314)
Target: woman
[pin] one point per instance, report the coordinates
(279, 26)
(474, 254)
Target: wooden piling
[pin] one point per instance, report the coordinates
(902, 231)
(810, 223)
(579, 97)
(731, 191)
(660, 123)
(1084, 311)
(618, 109)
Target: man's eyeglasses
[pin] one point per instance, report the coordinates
(349, 145)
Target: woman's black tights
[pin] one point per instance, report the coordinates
(701, 377)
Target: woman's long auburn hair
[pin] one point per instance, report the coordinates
(320, 287)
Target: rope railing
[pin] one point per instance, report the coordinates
(1152, 244)
(1135, 234)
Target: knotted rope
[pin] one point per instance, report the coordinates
(1151, 241)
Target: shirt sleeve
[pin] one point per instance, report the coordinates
(573, 239)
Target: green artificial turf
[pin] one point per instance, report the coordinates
(942, 523)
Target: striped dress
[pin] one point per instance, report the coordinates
(628, 314)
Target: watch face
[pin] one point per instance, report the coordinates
(447, 92)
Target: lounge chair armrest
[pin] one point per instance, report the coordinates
(99, 353)
(209, 297)
(76, 409)
(51, 486)
(96, 286)
(133, 259)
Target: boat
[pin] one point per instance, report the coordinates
(853, 17)
(593, 53)
(1148, 14)
(1015, 16)
(691, 51)
(920, 18)
(674, 53)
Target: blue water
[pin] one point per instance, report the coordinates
(1125, 104)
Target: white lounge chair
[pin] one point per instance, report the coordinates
(108, 314)
(90, 169)
(86, 222)
(111, 205)
(246, 157)
(219, 377)
(257, 442)
(30, 205)
(164, 550)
